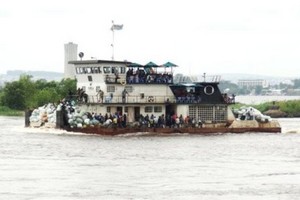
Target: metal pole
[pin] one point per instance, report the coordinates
(113, 39)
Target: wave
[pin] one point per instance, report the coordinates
(291, 131)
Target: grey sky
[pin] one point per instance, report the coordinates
(215, 36)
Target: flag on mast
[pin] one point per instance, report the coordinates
(116, 27)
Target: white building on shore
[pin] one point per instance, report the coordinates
(253, 83)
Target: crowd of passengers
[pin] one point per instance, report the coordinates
(120, 120)
(147, 76)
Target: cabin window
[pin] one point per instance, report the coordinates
(148, 109)
(83, 70)
(106, 69)
(80, 70)
(77, 70)
(115, 70)
(90, 78)
(157, 109)
(129, 88)
(111, 88)
(97, 70)
(122, 70)
(88, 70)
(190, 89)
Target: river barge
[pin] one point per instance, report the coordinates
(120, 97)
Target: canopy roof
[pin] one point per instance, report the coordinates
(152, 64)
(169, 64)
(134, 65)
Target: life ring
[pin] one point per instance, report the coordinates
(123, 82)
(150, 99)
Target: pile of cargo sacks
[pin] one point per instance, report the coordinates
(44, 115)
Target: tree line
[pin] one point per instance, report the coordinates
(26, 93)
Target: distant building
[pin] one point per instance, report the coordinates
(70, 55)
(272, 92)
(253, 83)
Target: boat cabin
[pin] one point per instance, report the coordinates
(135, 90)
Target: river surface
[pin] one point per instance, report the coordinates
(54, 164)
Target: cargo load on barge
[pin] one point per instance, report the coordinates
(120, 97)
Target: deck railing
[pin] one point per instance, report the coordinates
(130, 99)
(139, 99)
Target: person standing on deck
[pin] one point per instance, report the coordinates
(100, 96)
(124, 93)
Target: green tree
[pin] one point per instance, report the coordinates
(66, 86)
(26, 93)
(46, 95)
(14, 95)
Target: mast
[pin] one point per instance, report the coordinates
(113, 39)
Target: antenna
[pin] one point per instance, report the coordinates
(204, 76)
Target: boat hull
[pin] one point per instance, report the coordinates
(190, 130)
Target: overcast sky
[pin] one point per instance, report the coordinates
(212, 36)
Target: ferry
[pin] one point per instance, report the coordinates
(121, 97)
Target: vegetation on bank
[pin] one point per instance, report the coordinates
(290, 107)
(5, 111)
(25, 93)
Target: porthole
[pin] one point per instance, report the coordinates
(209, 90)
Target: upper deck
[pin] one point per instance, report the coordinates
(123, 72)
(148, 83)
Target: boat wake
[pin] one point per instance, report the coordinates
(53, 131)
(291, 131)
